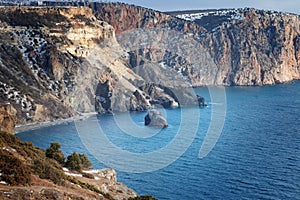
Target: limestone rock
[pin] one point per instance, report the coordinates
(7, 118)
(247, 47)
(59, 61)
(155, 119)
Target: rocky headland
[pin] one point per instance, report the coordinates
(58, 62)
(62, 59)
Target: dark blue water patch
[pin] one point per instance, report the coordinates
(256, 157)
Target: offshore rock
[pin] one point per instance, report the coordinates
(155, 119)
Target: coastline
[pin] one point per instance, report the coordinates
(38, 125)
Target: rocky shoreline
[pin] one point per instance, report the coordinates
(38, 125)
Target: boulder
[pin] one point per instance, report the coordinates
(201, 101)
(155, 119)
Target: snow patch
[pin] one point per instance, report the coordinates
(65, 169)
(15, 95)
(73, 174)
(231, 14)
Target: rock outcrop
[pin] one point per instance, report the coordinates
(7, 118)
(155, 119)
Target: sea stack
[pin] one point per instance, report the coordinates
(155, 119)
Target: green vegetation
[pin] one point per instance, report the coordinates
(86, 163)
(13, 171)
(19, 160)
(49, 169)
(74, 162)
(55, 153)
(146, 197)
(77, 162)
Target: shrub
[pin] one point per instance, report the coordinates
(77, 162)
(55, 153)
(48, 169)
(74, 162)
(13, 170)
(86, 163)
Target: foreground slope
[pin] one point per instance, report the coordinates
(26, 173)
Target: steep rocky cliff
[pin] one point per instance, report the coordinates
(59, 61)
(219, 47)
(66, 60)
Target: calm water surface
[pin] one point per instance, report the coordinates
(256, 157)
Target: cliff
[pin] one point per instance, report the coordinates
(67, 60)
(56, 62)
(219, 47)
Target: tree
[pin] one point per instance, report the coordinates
(74, 162)
(86, 163)
(55, 153)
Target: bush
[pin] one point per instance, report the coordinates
(86, 163)
(55, 153)
(48, 169)
(74, 162)
(77, 162)
(13, 170)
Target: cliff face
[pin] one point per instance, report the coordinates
(58, 61)
(260, 48)
(52, 60)
(219, 47)
(7, 118)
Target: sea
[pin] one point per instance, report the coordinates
(244, 145)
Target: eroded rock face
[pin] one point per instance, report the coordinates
(59, 61)
(71, 62)
(155, 119)
(251, 47)
(7, 118)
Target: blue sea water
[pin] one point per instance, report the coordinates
(256, 157)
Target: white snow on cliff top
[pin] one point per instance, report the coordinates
(231, 14)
